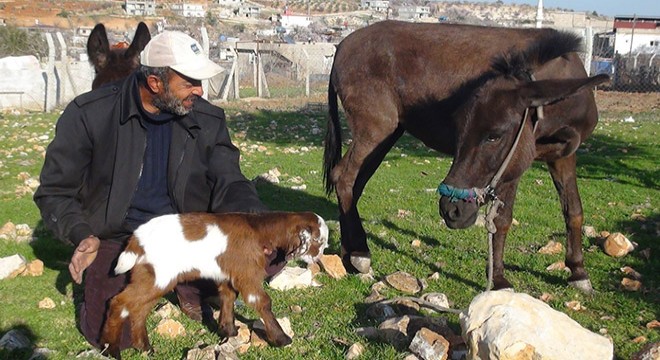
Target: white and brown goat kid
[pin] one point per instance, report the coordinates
(230, 249)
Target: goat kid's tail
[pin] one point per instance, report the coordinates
(332, 152)
(129, 257)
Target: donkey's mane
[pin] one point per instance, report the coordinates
(520, 63)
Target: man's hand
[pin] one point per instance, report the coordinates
(83, 256)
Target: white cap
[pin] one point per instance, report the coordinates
(181, 53)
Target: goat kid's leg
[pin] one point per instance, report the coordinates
(112, 328)
(255, 296)
(564, 178)
(226, 323)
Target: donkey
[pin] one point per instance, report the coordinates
(116, 62)
(462, 90)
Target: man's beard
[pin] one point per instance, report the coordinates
(171, 104)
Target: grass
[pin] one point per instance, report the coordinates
(618, 177)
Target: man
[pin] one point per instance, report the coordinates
(134, 150)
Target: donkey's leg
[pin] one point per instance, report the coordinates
(374, 134)
(507, 194)
(226, 325)
(563, 175)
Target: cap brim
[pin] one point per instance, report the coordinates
(199, 70)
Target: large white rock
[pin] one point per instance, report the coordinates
(508, 325)
(10, 264)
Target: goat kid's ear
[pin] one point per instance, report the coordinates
(543, 92)
(304, 234)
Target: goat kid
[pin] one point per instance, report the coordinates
(230, 249)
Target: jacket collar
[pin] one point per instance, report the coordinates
(130, 109)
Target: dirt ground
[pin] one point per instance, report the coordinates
(627, 102)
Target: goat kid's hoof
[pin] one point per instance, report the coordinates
(582, 285)
(280, 341)
(112, 351)
(227, 332)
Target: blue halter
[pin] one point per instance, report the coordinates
(454, 194)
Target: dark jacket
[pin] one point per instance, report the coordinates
(93, 165)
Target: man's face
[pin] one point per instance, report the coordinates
(179, 95)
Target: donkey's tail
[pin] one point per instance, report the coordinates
(332, 152)
(130, 256)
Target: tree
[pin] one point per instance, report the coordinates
(17, 42)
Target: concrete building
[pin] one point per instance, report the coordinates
(140, 7)
(414, 12)
(637, 34)
(377, 6)
(186, 9)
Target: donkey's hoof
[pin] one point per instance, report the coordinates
(582, 285)
(361, 263)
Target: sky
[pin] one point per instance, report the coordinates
(604, 7)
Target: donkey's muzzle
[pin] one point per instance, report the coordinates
(458, 214)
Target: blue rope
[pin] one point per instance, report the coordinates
(455, 194)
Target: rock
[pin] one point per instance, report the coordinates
(170, 328)
(168, 310)
(380, 311)
(14, 340)
(370, 332)
(639, 339)
(546, 298)
(354, 351)
(284, 322)
(630, 284)
(416, 243)
(291, 278)
(333, 266)
(438, 299)
(47, 303)
(589, 231)
(272, 176)
(10, 264)
(399, 331)
(551, 248)
(373, 297)
(34, 268)
(8, 231)
(509, 325)
(207, 353)
(41, 354)
(650, 351)
(617, 245)
(257, 341)
(429, 345)
(404, 282)
(559, 265)
(574, 305)
(653, 324)
(631, 273)
(395, 331)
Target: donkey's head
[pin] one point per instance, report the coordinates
(116, 62)
(497, 122)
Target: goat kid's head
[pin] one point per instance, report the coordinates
(308, 238)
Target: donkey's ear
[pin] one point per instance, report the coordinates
(98, 47)
(140, 39)
(543, 92)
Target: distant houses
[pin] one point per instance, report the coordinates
(637, 34)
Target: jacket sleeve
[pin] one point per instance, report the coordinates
(232, 191)
(66, 163)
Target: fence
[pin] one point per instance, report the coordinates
(265, 69)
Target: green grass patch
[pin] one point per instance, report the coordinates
(619, 180)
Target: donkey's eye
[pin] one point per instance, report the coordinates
(491, 138)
